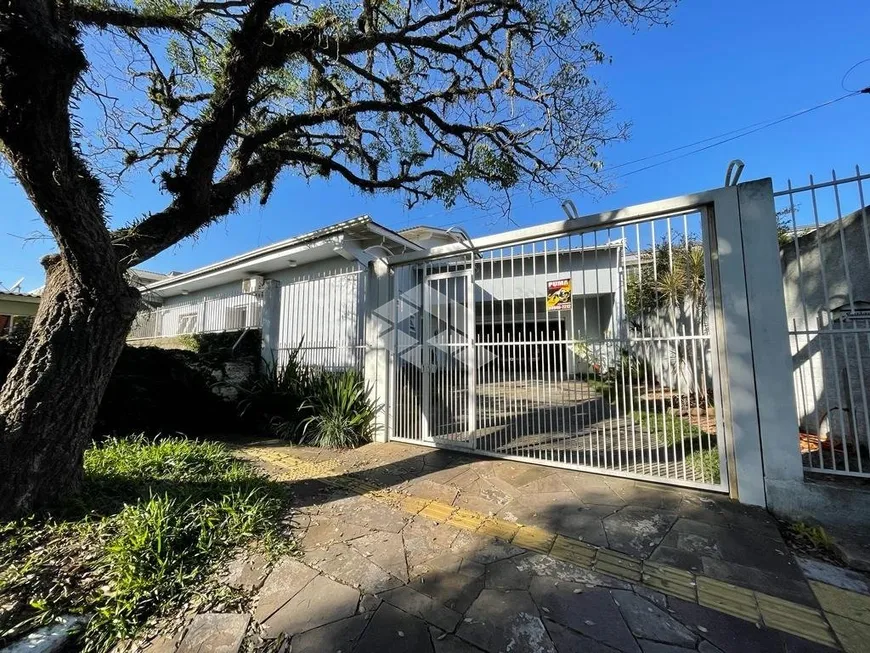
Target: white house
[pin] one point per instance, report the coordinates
(310, 292)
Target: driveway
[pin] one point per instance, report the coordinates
(420, 550)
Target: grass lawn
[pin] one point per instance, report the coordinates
(154, 521)
(670, 430)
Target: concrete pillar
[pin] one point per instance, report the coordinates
(736, 373)
(755, 366)
(768, 324)
(271, 320)
(379, 333)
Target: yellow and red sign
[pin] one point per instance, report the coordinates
(559, 295)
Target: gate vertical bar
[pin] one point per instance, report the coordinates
(470, 358)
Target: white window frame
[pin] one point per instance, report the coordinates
(237, 317)
(188, 323)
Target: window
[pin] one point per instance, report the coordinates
(5, 324)
(237, 318)
(187, 323)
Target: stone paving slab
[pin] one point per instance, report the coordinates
(566, 639)
(386, 550)
(648, 621)
(853, 635)
(351, 567)
(452, 589)
(506, 621)
(393, 631)
(338, 636)
(621, 514)
(590, 612)
(287, 578)
(321, 602)
(637, 530)
(446, 643)
(415, 603)
(458, 563)
(216, 633)
(247, 571)
(839, 601)
(829, 574)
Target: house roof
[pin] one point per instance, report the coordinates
(150, 274)
(26, 297)
(275, 256)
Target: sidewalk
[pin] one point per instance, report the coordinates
(412, 549)
(696, 531)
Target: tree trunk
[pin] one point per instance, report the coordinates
(49, 402)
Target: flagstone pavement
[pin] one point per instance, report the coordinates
(374, 578)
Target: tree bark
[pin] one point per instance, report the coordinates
(49, 402)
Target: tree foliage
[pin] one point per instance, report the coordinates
(668, 278)
(218, 97)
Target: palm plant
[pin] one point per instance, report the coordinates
(668, 277)
(670, 287)
(341, 411)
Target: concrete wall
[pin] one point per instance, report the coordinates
(826, 274)
(673, 356)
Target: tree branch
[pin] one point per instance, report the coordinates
(104, 16)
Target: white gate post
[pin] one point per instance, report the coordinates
(756, 366)
(379, 331)
(271, 318)
(777, 411)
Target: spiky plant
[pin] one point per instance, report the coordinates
(342, 411)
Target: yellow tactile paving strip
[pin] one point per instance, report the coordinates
(845, 613)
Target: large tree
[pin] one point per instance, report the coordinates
(433, 99)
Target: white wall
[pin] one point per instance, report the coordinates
(592, 272)
(321, 307)
(825, 274)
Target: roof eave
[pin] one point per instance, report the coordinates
(254, 255)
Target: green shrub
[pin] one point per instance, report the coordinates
(8, 355)
(813, 537)
(668, 429)
(274, 399)
(310, 405)
(21, 329)
(341, 411)
(152, 524)
(221, 347)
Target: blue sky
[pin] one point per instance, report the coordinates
(720, 66)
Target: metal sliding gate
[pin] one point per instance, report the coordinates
(589, 349)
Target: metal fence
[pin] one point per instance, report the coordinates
(227, 311)
(588, 350)
(825, 253)
(322, 319)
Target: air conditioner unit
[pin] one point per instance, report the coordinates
(252, 285)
